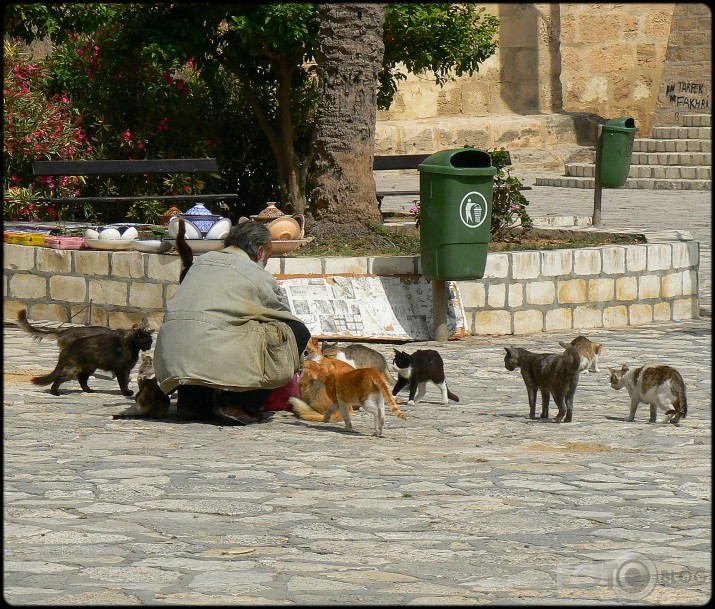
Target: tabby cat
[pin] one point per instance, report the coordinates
(117, 351)
(417, 369)
(589, 352)
(359, 356)
(150, 401)
(63, 336)
(658, 386)
(363, 387)
(554, 374)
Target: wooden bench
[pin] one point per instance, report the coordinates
(406, 161)
(58, 169)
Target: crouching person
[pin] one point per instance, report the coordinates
(228, 337)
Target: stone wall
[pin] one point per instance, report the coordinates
(686, 85)
(604, 59)
(521, 292)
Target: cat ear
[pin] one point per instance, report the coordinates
(624, 368)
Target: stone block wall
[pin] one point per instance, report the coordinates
(522, 292)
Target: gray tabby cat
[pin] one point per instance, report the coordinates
(553, 374)
(359, 356)
(658, 386)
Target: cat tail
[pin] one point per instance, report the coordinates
(46, 379)
(388, 376)
(389, 399)
(185, 252)
(37, 333)
(452, 396)
(681, 405)
(575, 357)
(306, 412)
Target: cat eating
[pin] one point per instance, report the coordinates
(658, 386)
(359, 356)
(589, 352)
(417, 369)
(116, 351)
(555, 375)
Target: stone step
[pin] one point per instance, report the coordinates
(688, 133)
(691, 159)
(696, 120)
(647, 144)
(642, 183)
(670, 172)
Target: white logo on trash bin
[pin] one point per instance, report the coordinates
(473, 209)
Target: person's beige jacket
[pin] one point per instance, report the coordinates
(222, 328)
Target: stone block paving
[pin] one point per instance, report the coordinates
(469, 503)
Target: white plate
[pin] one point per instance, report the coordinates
(152, 246)
(110, 244)
(200, 246)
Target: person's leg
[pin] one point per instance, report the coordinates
(301, 333)
(194, 402)
(239, 407)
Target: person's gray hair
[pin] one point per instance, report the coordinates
(249, 236)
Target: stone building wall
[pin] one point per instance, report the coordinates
(686, 85)
(600, 58)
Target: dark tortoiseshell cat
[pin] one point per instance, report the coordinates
(116, 351)
(553, 374)
(150, 401)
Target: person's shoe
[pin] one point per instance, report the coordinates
(233, 415)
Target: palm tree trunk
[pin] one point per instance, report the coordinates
(351, 50)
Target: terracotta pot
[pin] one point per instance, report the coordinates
(285, 228)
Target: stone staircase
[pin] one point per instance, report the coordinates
(673, 158)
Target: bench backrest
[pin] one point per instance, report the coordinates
(398, 161)
(125, 166)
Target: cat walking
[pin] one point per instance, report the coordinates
(117, 351)
(553, 374)
(363, 387)
(419, 368)
(658, 386)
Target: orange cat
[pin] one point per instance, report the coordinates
(314, 398)
(361, 387)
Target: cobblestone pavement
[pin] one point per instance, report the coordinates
(655, 210)
(469, 503)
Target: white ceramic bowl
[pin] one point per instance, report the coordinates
(109, 233)
(192, 231)
(130, 233)
(90, 233)
(220, 229)
(153, 246)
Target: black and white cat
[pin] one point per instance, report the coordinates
(658, 386)
(417, 369)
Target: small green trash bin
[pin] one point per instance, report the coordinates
(456, 189)
(616, 149)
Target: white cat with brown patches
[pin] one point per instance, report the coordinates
(588, 350)
(658, 386)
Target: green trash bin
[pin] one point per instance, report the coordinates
(616, 149)
(456, 189)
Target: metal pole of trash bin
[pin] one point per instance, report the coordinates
(439, 310)
(596, 221)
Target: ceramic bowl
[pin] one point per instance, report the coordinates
(90, 233)
(152, 246)
(130, 233)
(192, 231)
(220, 229)
(109, 234)
(200, 246)
(284, 228)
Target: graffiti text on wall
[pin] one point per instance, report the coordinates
(691, 95)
